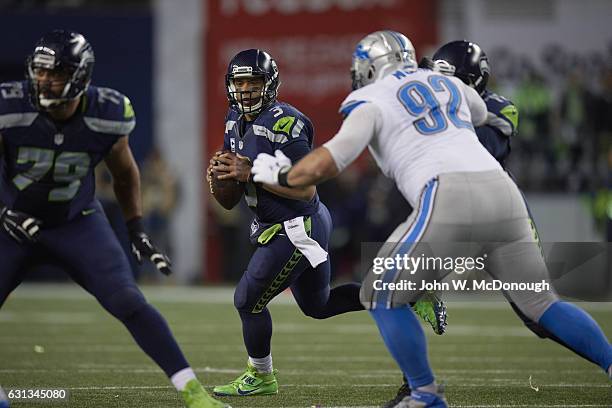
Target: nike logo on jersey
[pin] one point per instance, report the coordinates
(283, 125)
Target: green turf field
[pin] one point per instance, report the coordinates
(57, 337)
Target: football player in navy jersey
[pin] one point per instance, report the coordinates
(55, 128)
(467, 61)
(291, 228)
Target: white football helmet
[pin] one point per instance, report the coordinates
(379, 53)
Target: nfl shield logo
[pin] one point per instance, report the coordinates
(58, 139)
(254, 227)
(240, 144)
(233, 144)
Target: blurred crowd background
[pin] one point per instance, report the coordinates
(552, 58)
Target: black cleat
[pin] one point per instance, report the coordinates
(403, 392)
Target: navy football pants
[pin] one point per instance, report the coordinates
(95, 260)
(277, 266)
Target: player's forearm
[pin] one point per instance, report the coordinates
(313, 169)
(298, 193)
(127, 191)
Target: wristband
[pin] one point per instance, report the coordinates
(282, 177)
(135, 225)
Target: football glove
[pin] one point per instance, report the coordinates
(266, 167)
(142, 247)
(22, 227)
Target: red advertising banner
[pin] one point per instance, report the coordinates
(312, 41)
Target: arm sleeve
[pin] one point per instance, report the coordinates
(477, 106)
(354, 135)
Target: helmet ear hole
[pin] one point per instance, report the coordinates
(371, 72)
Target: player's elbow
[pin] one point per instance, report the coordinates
(126, 182)
(126, 176)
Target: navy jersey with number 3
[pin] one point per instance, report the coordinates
(47, 167)
(279, 126)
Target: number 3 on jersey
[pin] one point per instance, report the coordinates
(419, 98)
(70, 167)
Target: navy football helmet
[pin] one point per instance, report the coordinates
(465, 60)
(68, 52)
(252, 63)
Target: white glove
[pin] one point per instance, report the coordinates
(267, 167)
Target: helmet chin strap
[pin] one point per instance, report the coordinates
(251, 109)
(52, 103)
(48, 103)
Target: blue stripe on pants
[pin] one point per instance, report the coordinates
(413, 236)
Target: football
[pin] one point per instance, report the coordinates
(227, 192)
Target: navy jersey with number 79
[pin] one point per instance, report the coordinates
(47, 167)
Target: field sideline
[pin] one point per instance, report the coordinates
(56, 336)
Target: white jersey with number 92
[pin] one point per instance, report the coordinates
(417, 125)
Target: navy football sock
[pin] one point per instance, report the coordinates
(405, 339)
(344, 298)
(328, 303)
(257, 332)
(578, 331)
(153, 335)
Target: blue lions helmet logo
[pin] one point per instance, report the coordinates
(360, 53)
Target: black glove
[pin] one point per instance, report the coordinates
(24, 228)
(142, 247)
(426, 63)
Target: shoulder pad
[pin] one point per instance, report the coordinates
(502, 114)
(354, 99)
(15, 107)
(347, 107)
(109, 111)
(282, 122)
(231, 118)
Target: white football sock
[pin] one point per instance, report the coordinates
(262, 365)
(431, 388)
(181, 378)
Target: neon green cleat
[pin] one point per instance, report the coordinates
(195, 396)
(249, 383)
(432, 310)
